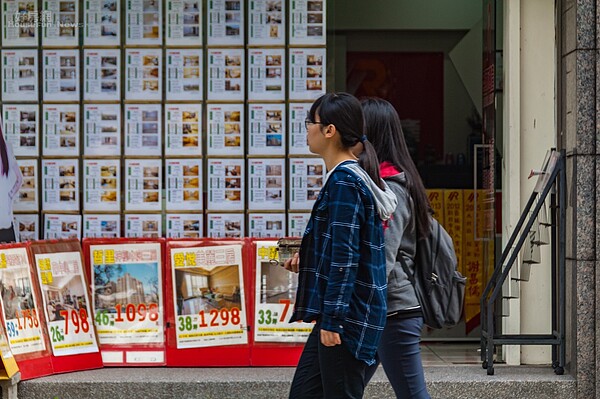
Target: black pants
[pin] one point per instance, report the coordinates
(327, 372)
(8, 235)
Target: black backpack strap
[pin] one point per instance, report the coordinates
(410, 275)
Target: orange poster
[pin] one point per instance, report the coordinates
(453, 222)
(436, 200)
(472, 256)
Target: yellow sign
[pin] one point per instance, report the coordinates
(453, 221)
(436, 200)
(473, 254)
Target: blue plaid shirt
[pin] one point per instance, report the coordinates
(342, 277)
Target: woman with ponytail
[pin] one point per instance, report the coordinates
(10, 183)
(342, 281)
(399, 349)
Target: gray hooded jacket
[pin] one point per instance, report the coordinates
(386, 201)
(400, 235)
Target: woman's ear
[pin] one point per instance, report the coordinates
(330, 131)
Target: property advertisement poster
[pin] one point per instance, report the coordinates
(184, 184)
(102, 130)
(27, 201)
(102, 23)
(21, 316)
(208, 295)
(183, 127)
(266, 225)
(184, 225)
(226, 185)
(225, 129)
(143, 225)
(266, 123)
(62, 23)
(61, 130)
(266, 184)
(61, 75)
(225, 225)
(225, 22)
(102, 185)
(66, 303)
(102, 225)
(274, 299)
(143, 73)
(298, 145)
(226, 74)
(297, 222)
(307, 22)
(307, 176)
(143, 185)
(127, 293)
(267, 23)
(21, 128)
(184, 22)
(266, 72)
(102, 81)
(307, 73)
(143, 129)
(184, 75)
(143, 22)
(60, 226)
(20, 21)
(28, 226)
(60, 184)
(20, 75)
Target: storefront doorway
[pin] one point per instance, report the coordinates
(430, 67)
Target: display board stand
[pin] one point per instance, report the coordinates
(207, 303)
(126, 276)
(23, 315)
(275, 342)
(61, 278)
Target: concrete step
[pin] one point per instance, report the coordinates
(452, 382)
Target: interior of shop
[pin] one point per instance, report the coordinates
(426, 59)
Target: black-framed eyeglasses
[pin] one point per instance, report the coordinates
(308, 122)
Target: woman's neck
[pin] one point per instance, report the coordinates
(336, 157)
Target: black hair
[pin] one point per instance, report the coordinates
(384, 130)
(3, 155)
(344, 111)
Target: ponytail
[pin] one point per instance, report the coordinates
(369, 162)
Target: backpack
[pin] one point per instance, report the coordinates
(439, 287)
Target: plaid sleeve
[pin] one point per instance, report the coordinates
(345, 210)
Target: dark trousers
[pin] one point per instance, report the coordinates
(400, 354)
(327, 372)
(8, 235)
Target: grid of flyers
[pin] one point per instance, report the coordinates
(62, 133)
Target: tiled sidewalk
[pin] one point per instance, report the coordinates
(441, 354)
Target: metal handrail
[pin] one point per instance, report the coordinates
(493, 289)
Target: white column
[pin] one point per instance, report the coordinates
(538, 134)
(511, 161)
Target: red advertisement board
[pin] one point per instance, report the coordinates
(275, 341)
(207, 302)
(22, 312)
(127, 285)
(65, 297)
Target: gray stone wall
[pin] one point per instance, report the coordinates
(578, 134)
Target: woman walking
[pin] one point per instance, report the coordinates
(342, 281)
(399, 349)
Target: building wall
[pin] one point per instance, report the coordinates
(578, 134)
